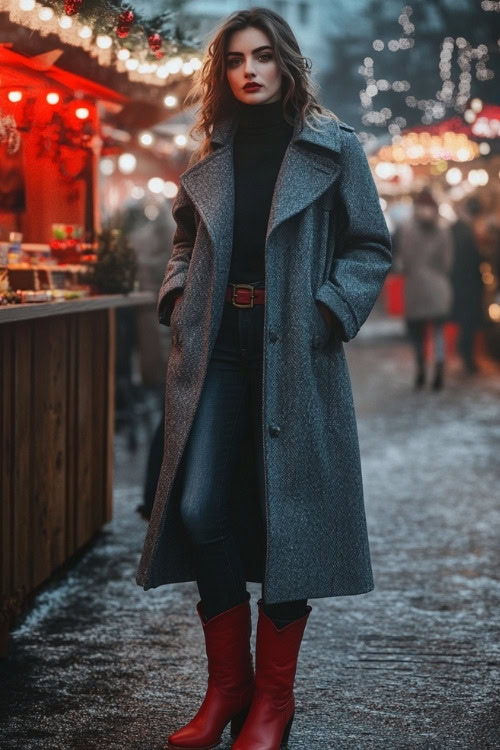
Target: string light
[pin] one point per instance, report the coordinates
(107, 167)
(156, 184)
(162, 72)
(484, 127)
(104, 41)
(85, 32)
(65, 22)
(494, 311)
(174, 64)
(137, 192)
(36, 16)
(127, 163)
(454, 176)
(170, 189)
(424, 148)
(146, 139)
(82, 113)
(452, 93)
(170, 101)
(478, 177)
(14, 96)
(45, 14)
(52, 97)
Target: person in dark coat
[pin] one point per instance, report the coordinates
(467, 282)
(280, 252)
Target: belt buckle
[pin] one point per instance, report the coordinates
(242, 304)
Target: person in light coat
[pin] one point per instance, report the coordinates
(261, 477)
(424, 252)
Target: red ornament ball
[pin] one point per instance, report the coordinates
(72, 6)
(126, 18)
(155, 41)
(159, 54)
(122, 31)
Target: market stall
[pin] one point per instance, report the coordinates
(56, 436)
(57, 323)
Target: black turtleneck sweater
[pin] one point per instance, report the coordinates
(260, 141)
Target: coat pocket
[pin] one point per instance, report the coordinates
(321, 330)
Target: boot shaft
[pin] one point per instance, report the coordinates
(227, 645)
(277, 652)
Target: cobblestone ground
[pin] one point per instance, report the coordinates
(99, 663)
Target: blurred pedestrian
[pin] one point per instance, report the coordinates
(467, 281)
(425, 257)
(274, 265)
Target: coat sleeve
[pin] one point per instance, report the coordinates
(178, 264)
(363, 251)
(183, 213)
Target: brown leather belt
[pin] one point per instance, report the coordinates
(245, 295)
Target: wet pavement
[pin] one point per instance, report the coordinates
(99, 663)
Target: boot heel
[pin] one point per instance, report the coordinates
(286, 733)
(238, 721)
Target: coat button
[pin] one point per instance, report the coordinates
(273, 335)
(274, 430)
(174, 338)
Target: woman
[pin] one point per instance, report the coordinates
(425, 257)
(280, 251)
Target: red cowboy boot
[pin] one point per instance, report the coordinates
(230, 680)
(269, 720)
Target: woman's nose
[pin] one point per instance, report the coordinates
(248, 67)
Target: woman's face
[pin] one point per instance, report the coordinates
(250, 59)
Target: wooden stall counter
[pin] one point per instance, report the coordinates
(57, 383)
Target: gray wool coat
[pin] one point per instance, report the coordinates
(327, 240)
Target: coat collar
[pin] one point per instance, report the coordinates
(327, 135)
(305, 174)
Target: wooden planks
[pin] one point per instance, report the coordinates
(57, 386)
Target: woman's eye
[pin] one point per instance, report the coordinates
(232, 63)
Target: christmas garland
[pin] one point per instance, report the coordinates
(126, 27)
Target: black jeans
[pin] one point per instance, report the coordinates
(234, 375)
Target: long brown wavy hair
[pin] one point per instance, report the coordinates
(211, 87)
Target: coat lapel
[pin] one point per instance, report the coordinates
(304, 175)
